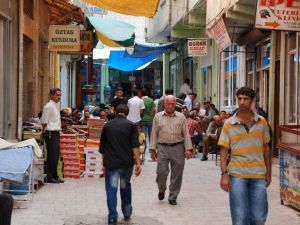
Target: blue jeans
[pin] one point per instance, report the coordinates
(147, 128)
(112, 178)
(248, 201)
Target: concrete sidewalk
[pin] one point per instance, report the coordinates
(201, 201)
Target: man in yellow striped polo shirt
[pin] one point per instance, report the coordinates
(246, 136)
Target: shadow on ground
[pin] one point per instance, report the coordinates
(96, 220)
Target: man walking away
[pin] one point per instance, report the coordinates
(148, 114)
(51, 127)
(170, 144)
(136, 107)
(248, 173)
(119, 147)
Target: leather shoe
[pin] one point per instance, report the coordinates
(53, 181)
(204, 158)
(127, 218)
(161, 195)
(172, 202)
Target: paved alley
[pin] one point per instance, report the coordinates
(201, 201)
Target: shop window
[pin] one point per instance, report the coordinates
(291, 80)
(207, 73)
(229, 75)
(266, 56)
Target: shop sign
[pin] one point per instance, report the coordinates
(197, 47)
(86, 39)
(64, 38)
(278, 15)
(220, 34)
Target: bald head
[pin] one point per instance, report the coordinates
(170, 104)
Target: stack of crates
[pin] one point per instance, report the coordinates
(69, 153)
(93, 163)
(82, 155)
(95, 128)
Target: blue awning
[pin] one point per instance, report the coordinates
(123, 62)
(141, 50)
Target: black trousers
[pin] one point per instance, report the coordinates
(6, 207)
(52, 145)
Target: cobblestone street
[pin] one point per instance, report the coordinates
(200, 202)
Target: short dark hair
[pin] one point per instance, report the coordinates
(122, 108)
(182, 95)
(169, 91)
(193, 93)
(144, 92)
(187, 80)
(246, 91)
(134, 92)
(119, 89)
(54, 90)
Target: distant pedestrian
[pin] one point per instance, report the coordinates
(180, 102)
(185, 87)
(246, 135)
(148, 114)
(6, 207)
(170, 144)
(136, 107)
(188, 101)
(119, 147)
(161, 102)
(51, 124)
(119, 99)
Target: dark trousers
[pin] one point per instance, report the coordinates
(112, 178)
(6, 207)
(52, 145)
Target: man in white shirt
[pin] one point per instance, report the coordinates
(51, 123)
(200, 109)
(188, 101)
(185, 88)
(136, 107)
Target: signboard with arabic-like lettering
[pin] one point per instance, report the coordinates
(64, 38)
(220, 34)
(197, 47)
(278, 15)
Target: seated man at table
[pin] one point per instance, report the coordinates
(211, 139)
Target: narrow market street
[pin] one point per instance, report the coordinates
(201, 201)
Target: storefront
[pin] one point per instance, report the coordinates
(9, 61)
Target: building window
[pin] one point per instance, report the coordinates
(28, 8)
(229, 76)
(261, 81)
(207, 74)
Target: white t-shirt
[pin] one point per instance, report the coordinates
(135, 106)
(188, 103)
(185, 88)
(51, 116)
(202, 112)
